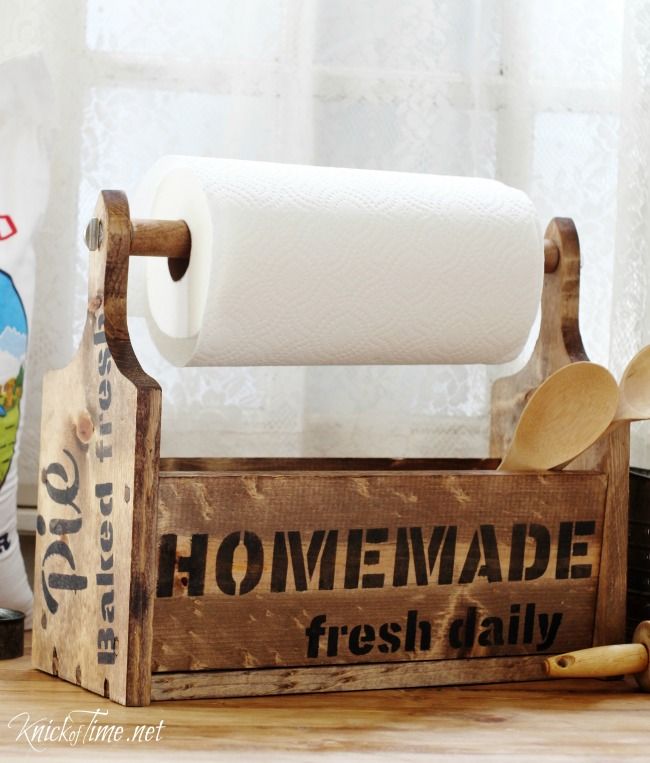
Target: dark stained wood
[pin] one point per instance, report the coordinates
(258, 638)
(161, 238)
(326, 678)
(266, 627)
(612, 455)
(252, 464)
(559, 341)
(551, 256)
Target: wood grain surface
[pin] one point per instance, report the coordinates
(308, 609)
(100, 432)
(559, 721)
(559, 343)
(184, 583)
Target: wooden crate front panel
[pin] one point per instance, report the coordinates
(294, 569)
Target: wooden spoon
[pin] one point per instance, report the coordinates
(634, 389)
(566, 414)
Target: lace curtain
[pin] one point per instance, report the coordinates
(546, 95)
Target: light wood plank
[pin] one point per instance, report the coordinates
(95, 572)
(562, 721)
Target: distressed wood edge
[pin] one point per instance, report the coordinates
(286, 467)
(298, 474)
(331, 678)
(113, 210)
(614, 453)
(201, 465)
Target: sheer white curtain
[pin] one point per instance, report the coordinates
(547, 95)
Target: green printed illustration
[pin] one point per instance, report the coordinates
(13, 347)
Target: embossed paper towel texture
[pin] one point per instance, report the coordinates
(300, 265)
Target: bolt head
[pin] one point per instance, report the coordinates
(94, 234)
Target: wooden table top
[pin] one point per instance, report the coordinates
(558, 721)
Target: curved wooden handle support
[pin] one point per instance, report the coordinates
(559, 341)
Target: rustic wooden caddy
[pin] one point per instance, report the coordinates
(218, 577)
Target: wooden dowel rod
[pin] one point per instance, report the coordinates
(161, 238)
(171, 238)
(599, 662)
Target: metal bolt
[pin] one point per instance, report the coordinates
(94, 234)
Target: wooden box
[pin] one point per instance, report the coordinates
(178, 578)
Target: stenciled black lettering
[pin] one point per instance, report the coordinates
(194, 565)
(254, 563)
(442, 546)
(567, 549)
(542, 538)
(353, 558)
(166, 565)
(483, 545)
(322, 549)
(57, 580)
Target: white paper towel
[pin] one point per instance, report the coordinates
(301, 265)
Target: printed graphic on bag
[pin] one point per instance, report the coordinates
(13, 346)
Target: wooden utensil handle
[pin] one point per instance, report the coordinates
(598, 662)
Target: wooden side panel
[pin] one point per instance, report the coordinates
(612, 454)
(558, 344)
(331, 568)
(94, 575)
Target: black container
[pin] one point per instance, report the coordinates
(12, 634)
(638, 580)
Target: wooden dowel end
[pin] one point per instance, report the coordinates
(551, 256)
(161, 238)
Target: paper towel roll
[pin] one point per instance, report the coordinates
(301, 265)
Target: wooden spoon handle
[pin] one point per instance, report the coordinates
(598, 662)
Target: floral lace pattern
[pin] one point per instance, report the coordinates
(549, 96)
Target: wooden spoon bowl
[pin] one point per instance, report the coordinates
(634, 398)
(566, 414)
